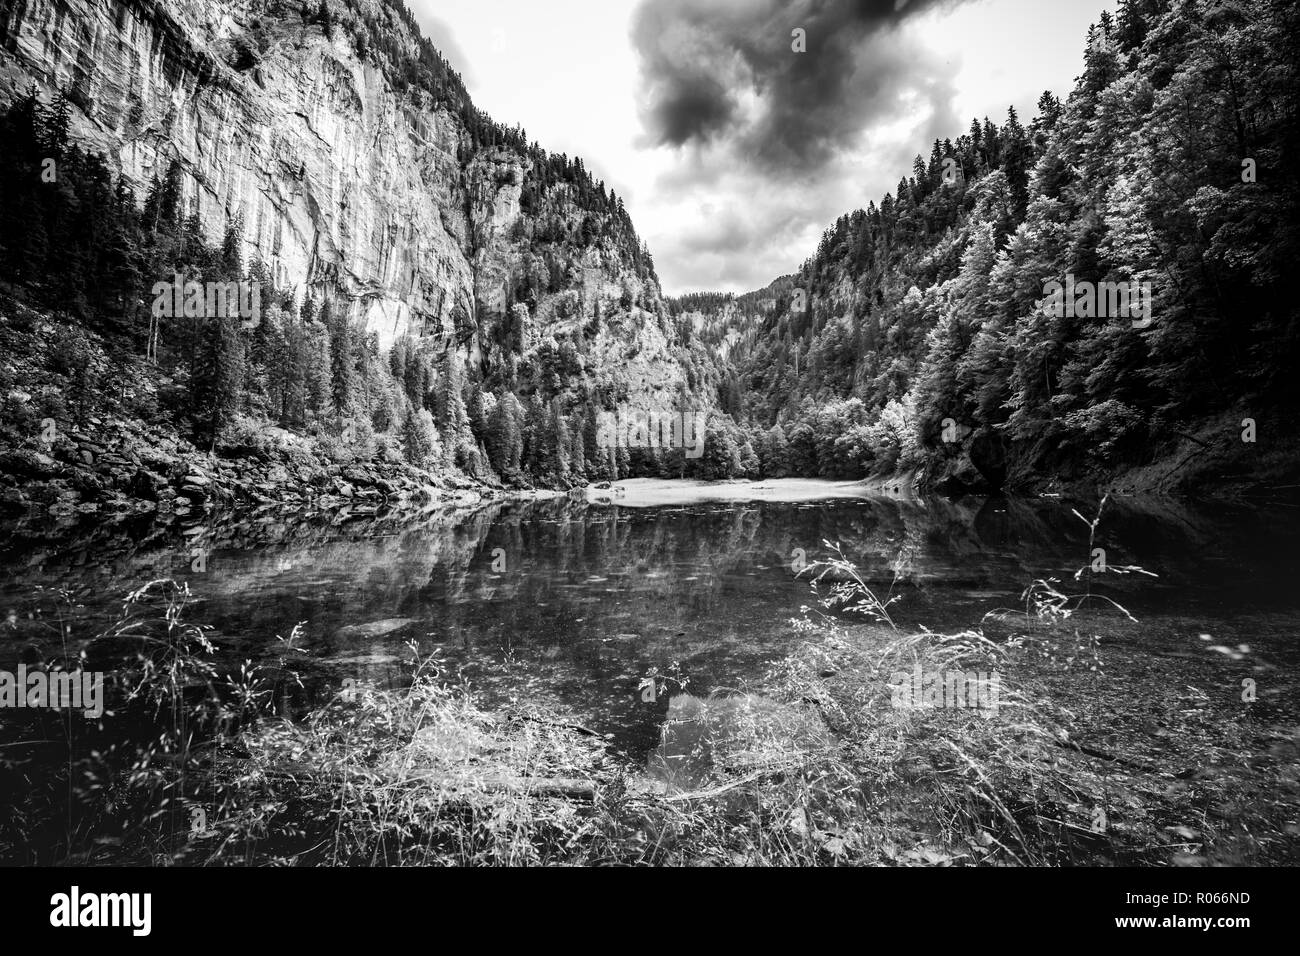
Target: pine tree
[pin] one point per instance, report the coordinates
(318, 364)
(420, 441)
(343, 374)
(220, 372)
(504, 439)
(449, 406)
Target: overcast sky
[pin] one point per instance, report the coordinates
(731, 151)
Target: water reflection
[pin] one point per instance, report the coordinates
(569, 603)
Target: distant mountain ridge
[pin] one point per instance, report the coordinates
(924, 342)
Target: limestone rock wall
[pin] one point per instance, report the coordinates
(343, 185)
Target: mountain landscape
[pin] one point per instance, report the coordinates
(434, 286)
(927, 307)
(387, 506)
(441, 293)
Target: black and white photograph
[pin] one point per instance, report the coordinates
(731, 434)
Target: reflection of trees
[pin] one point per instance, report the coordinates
(592, 596)
(676, 559)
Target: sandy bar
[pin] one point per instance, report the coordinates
(657, 492)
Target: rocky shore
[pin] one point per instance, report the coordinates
(87, 432)
(115, 466)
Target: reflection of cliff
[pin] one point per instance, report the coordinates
(570, 602)
(678, 555)
(44, 551)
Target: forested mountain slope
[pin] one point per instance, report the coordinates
(926, 336)
(439, 292)
(434, 287)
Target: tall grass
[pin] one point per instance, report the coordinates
(816, 764)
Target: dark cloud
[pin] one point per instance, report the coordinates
(723, 71)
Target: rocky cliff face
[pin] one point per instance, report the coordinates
(345, 185)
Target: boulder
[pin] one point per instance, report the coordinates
(959, 476)
(145, 484)
(25, 463)
(13, 500)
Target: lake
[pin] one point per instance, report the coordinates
(570, 602)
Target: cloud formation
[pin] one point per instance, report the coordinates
(771, 144)
(726, 70)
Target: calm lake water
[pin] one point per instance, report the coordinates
(569, 603)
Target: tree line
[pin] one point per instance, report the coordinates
(1172, 162)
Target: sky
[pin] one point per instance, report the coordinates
(731, 151)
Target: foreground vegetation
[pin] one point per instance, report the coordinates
(1091, 757)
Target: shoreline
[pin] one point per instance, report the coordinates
(661, 492)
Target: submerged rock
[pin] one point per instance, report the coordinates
(708, 739)
(376, 628)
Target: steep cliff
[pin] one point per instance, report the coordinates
(351, 180)
(436, 290)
